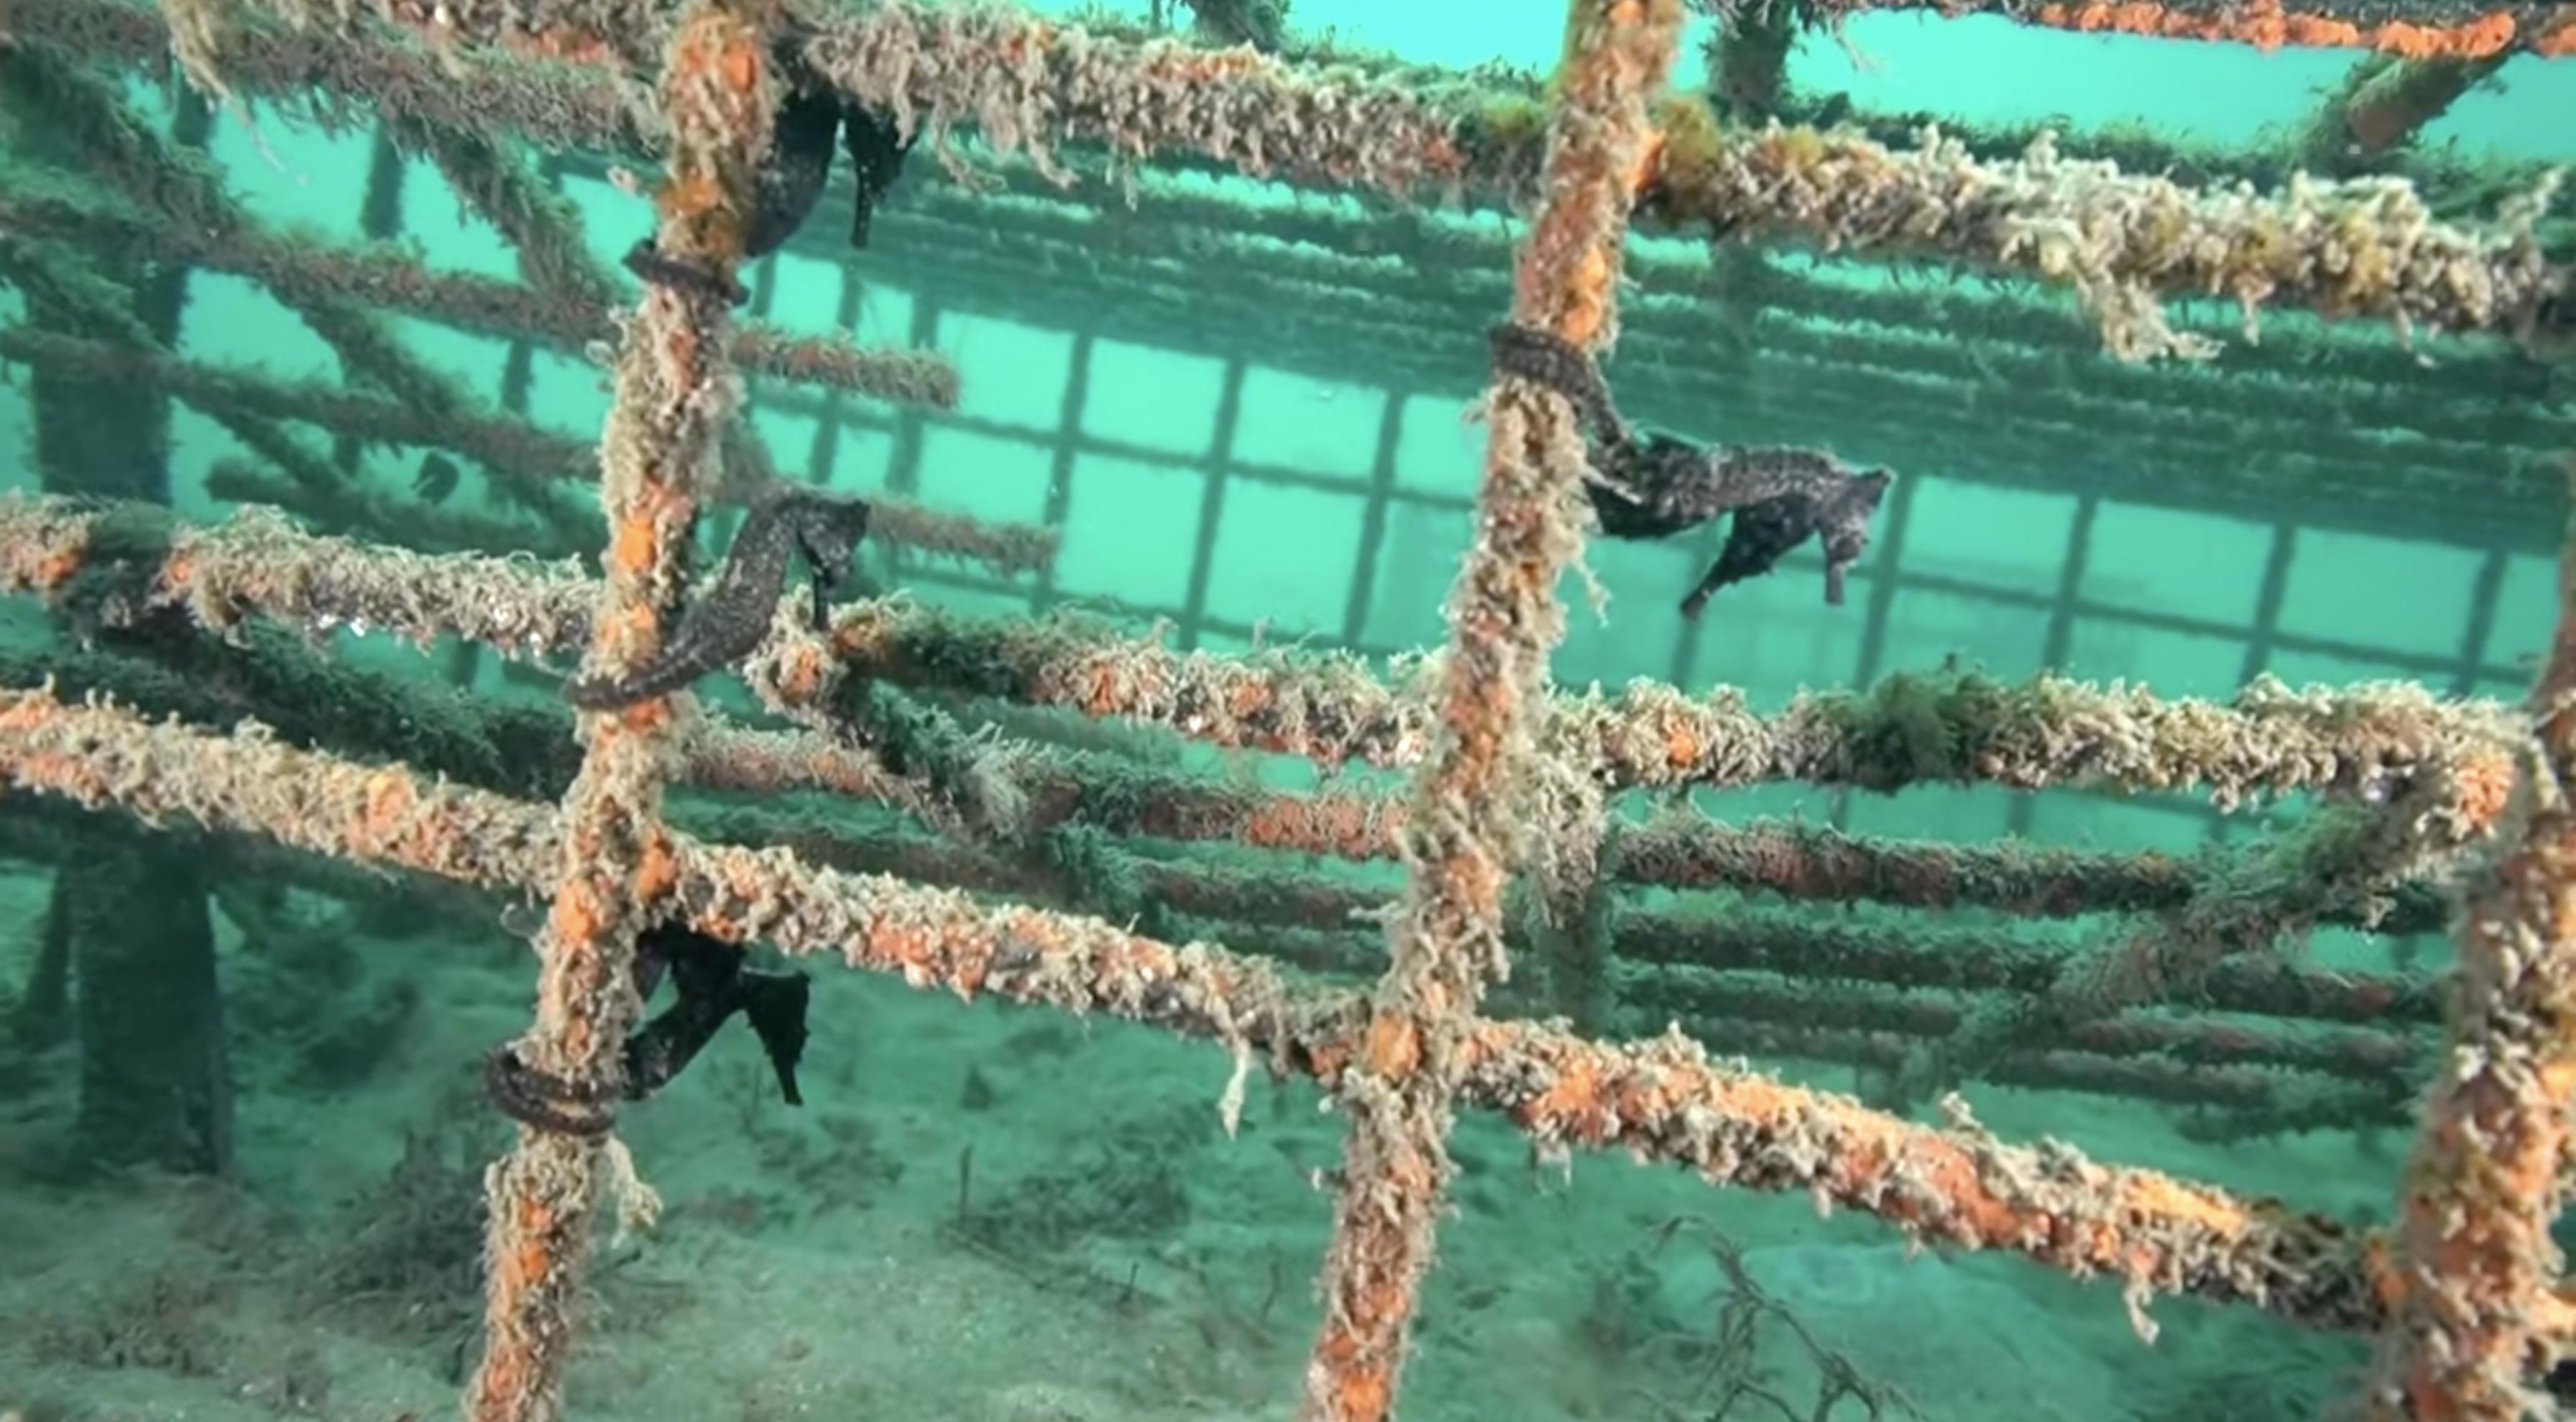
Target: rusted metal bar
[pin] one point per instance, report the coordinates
(2415, 29)
(2357, 742)
(614, 872)
(2489, 1310)
(1662, 1101)
(1474, 786)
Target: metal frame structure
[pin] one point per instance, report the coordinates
(2464, 1288)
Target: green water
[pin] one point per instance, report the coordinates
(984, 1211)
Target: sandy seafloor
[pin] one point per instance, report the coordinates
(805, 1262)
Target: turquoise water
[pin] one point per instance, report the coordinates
(985, 1211)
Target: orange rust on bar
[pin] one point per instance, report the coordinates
(2484, 1184)
(680, 348)
(562, 44)
(657, 872)
(1348, 828)
(1650, 161)
(632, 634)
(57, 569)
(617, 859)
(633, 548)
(1579, 1107)
(685, 195)
(2268, 25)
(800, 678)
(29, 712)
(1502, 619)
(573, 917)
(71, 774)
(1394, 1047)
(390, 796)
(1572, 1090)
(741, 69)
(2486, 781)
(1682, 746)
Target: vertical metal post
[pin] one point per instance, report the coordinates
(2267, 606)
(903, 462)
(1381, 497)
(764, 288)
(2060, 642)
(2259, 640)
(1229, 409)
(1068, 432)
(1882, 586)
(1883, 574)
(826, 450)
(519, 366)
(2483, 596)
(380, 220)
(1705, 545)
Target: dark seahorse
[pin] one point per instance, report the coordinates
(1652, 485)
(725, 622)
(792, 180)
(709, 985)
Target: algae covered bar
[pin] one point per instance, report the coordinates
(1664, 1100)
(2410, 29)
(2123, 242)
(977, 491)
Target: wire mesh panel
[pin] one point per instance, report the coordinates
(1212, 740)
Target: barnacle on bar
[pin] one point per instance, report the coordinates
(726, 621)
(1647, 484)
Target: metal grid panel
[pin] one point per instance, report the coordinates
(1068, 442)
(1217, 466)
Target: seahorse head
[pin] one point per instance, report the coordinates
(829, 530)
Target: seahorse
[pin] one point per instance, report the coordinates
(1648, 484)
(724, 623)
